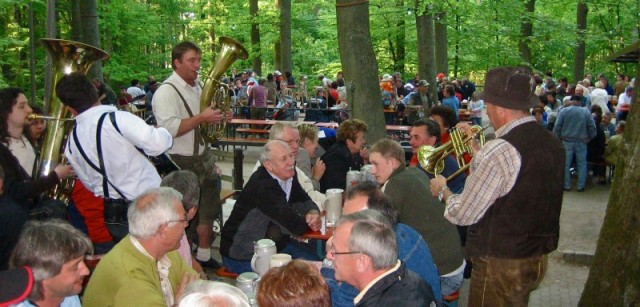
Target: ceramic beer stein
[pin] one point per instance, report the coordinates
(262, 252)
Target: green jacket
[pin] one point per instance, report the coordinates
(126, 277)
(410, 194)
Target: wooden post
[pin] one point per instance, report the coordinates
(238, 157)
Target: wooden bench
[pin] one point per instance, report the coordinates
(252, 131)
(244, 142)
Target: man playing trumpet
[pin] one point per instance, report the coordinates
(513, 196)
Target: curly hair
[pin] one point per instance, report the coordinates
(296, 284)
(8, 98)
(350, 128)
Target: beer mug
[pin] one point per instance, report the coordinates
(333, 207)
(263, 250)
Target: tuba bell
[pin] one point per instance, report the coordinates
(67, 57)
(432, 158)
(215, 93)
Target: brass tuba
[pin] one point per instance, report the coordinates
(432, 158)
(214, 93)
(67, 57)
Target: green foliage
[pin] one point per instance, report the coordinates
(139, 35)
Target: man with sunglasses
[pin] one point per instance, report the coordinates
(145, 269)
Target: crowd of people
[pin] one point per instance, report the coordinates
(409, 238)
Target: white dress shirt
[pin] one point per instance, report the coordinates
(169, 111)
(135, 91)
(127, 169)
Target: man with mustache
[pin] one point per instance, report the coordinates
(273, 205)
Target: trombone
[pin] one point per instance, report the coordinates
(432, 158)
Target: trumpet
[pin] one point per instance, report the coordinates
(432, 158)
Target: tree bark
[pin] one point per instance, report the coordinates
(614, 277)
(286, 62)
(426, 48)
(91, 33)
(277, 64)
(526, 30)
(359, 66)
(581, 25)
(442, 54)
(400, 40)
(255, 37)
(50, 30)
(76, 21)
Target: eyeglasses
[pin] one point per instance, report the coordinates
(333, 252)
(185, 220)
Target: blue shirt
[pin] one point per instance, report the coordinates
(452, 102)
(69, 301)
(575, 124)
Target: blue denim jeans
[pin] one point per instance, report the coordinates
(476, 121)
(451, 284)
(579, 150)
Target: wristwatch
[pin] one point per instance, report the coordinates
(441, 193)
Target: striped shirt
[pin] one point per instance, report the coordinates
(494, 170)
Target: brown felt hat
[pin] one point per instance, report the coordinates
(510, 88)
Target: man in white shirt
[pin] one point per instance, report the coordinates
(624, 104)
(114, 167)
(137, 94)
(176, 106)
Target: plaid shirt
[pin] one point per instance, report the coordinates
(494, 170)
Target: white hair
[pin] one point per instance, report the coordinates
(203, 293)
(267, 148)
(152, 209)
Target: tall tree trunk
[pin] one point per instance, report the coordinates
(400, 39)
(255, 37)
(456, 55)
(91, 33)
(614, 277)
(32, 56)
(526, 30)
(360, 68)
(277, 64)
(442, 54)
(581, 23)
(286, 62)
(76, 21)
(50, 30)
(426, 48)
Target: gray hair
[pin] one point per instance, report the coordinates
(265, 155)
(277, 130)
(372, 234)
(152, 209)
(186, 182)
(46, 246)
(204, 293)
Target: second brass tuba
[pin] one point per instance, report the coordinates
(214, 93)
(67, 57)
